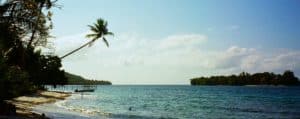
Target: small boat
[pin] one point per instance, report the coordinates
(85, 90)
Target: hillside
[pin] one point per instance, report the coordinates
(78, 80)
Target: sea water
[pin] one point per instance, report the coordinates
(179, 101)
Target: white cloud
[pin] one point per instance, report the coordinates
(132, 59)
(282, 61)
(182, 41)
(251, 60)
(65, 44)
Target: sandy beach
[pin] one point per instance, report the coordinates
(25, 104)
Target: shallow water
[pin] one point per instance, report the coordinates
(184, 102)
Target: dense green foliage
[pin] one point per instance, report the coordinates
(243, 78)
(78, 80)
(24, 27)
(24, 30)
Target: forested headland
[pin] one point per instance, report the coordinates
(244, 78)
(78, 80)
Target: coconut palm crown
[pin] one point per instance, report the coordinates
(99, 30)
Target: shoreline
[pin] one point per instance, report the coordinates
(25, 104)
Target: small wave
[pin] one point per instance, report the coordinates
(234, 109)
(67, 104)
(86, 96)
(255, 110)
(130, 116)
(96, 112)
(243, 109)
(87, 111)
(62, 104)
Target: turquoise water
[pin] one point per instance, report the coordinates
(186, 102)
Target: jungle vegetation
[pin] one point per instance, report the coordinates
(78, 80)
(24, 30)
(244, 78)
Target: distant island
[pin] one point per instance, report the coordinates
(287, 78)
(78, 80)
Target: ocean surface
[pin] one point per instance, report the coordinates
(178, 102)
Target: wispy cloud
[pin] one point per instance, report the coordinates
(173, 59)
(181, 41)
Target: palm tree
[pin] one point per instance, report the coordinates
(99, 30)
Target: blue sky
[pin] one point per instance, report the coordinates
(205, 37)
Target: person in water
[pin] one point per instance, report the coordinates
(130, 108)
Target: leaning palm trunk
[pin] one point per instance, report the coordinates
(99, 30)
(88, 43)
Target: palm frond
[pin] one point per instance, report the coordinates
(110, 33)
(100, 21)
(91, 35)
(105, 41)
(105, 24)
(94, 29)
(99, 30)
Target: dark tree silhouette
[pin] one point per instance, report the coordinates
(244, 78)
(24, 69)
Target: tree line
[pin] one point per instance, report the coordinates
(244, 78)
(78, 80)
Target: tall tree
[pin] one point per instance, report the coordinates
(40, 17)
(33, 17)
(22, 19)
(99, 30)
